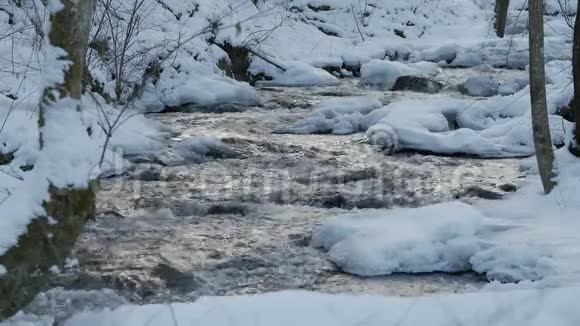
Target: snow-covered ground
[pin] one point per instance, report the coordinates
(553, 307)
(523, 307)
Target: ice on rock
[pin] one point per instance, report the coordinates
(513, 86)
(385, 73)
(521, 133)
(332, 108)
(384, 137)
(179, 89)
(314, 124)
(447, 237)
(303, 75)
(513, 263)
(198, 148)
(382, 242)
(496, 127)
(445, 53)
(426, 126)
(483, 86)
(513, 240)
(339, 116)
(346, 124)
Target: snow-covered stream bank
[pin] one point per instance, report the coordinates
(241, 222)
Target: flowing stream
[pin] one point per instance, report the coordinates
(241, 223)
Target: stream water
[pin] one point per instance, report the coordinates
(242, 224)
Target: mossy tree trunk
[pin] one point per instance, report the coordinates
(540, 124)
(501, 14)
(50, 238)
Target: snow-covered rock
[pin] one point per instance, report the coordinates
(517, 239)
(178, 89)
(303, 75)
(513, 86)
(338, 116)
(385, 73)
(430, 239)
(484, 86)
(198, 148)
(417, 84)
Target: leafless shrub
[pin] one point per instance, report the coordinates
(116, 47)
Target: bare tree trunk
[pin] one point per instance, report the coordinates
(501, 14)
(541, 127)
(575, 146)
(48, 242)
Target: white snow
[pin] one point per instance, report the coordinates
(527, 307)
(385, 73)
(178, 89)
(496, 127)
(303, 75)
(513, 86)
(528, 237)
(197, 148)
(382, 242)
(338, 116)
(481, 86)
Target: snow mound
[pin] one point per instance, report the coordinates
(289, 308)
(428, 239)
(512, 53)
(513, 86)
(385, 73)
(484, 86)
(198, 148)
(514, 263)
(448, 237)
(338, 116)
(499, 126)
(303, 75)
(179, 89)
(527, 237)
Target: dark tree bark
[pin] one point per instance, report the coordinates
(541, 127)
(501, 14)
(575, 146)
(47, 242)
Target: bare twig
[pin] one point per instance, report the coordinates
(356, 21)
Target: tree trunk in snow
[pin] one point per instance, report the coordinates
(50, 238)
(501, 13)
(541, 127)
(575, 146)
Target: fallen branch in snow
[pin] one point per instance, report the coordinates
(357, 25)
(268, 60)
